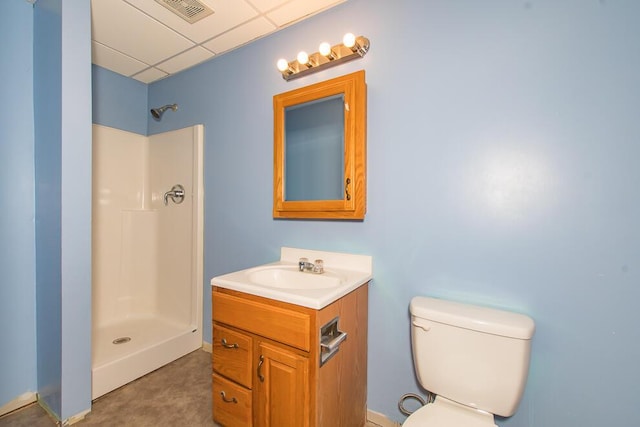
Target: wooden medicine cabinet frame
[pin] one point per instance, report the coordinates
(353, 203)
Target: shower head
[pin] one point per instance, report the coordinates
(158, 112)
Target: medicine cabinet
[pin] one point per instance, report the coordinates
(320, 150)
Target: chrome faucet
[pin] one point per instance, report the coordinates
(176, 193)
(305, 265)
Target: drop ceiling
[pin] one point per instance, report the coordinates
(145, 40)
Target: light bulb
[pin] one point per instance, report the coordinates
(324, 49)
(283, 65)
(303, 58)
(349, 40)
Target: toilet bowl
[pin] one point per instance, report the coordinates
(474, 359)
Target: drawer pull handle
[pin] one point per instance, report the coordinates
(260, 369)
(224, 398)
(225, 345)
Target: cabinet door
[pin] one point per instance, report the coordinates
(282, 387)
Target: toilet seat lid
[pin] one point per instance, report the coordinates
(445, 413)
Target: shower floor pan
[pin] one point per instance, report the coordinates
(127, 350)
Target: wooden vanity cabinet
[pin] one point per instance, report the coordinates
(266, 362)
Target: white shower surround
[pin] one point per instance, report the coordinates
(147, 257)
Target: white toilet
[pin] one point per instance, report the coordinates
(474, 359)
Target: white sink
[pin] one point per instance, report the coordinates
(283, 281)
(289, 277)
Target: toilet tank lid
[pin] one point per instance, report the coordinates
(476, 318)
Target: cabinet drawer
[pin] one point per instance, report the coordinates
(231, 403)
(277, 323)
(232, 354)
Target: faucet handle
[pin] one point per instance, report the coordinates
(318, 266)
(302, 263)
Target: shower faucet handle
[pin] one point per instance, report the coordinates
(176, 192)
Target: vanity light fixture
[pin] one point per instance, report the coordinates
(352, 47)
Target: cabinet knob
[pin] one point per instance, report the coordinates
(346, 188)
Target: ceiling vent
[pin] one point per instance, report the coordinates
(189, 10)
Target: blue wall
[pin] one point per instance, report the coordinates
(45, 161)
(503, 140)
(75, 195)
(62, 107)
(48, 164)
(17, 233)
(120, 102)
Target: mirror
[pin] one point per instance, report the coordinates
(320, 150)
(314, 150)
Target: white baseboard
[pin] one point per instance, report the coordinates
(63, 423)
(23, 400)
(379, 419)
(75, 418)
(49, 411)
(207, 346)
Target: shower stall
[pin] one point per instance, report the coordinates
(147, 252)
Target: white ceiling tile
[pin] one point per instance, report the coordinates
(185, 60)
(226, 15)
(115, 61)
(150, 75)
(134, 33)
(266, 5)
(129, 36)
(241, 35)
(299, 9)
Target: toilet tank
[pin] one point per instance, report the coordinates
(473, 355)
